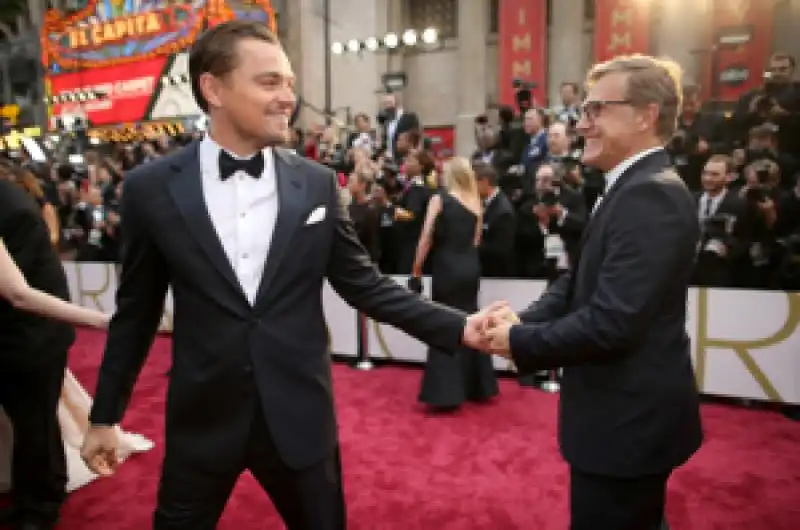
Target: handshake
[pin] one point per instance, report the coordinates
(489, 329)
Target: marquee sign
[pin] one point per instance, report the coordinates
(111, 32)
(138, 132)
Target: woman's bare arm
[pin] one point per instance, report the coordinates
(15, 289)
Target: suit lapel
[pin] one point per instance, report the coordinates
(186, 188)
(291, 206)
(652, 163)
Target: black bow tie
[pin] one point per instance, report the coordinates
(228, 165)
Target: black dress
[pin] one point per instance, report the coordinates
(449, 380)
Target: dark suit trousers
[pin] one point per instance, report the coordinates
(599, 502)
(307, 499)
(39, 469)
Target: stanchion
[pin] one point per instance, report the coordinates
(551, 385)
(364, 362)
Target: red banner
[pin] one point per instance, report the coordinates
(522, 48)
(621, 27)
(742, 33)
(128, 91)
(443, 141)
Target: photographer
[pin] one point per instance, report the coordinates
(724, 226)
(777, 102)
(762, 197)
(331, 152)
(696, 138)
(763, 145)
(521, 178)
(550, 224)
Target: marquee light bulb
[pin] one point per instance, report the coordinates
(391, 40)
(430, 36)
(372, 44)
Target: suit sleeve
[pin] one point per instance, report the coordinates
(353, 276)
(647, 246)
(552, 305)
(140, 305)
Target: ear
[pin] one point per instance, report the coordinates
(648, 117)
(210, 88)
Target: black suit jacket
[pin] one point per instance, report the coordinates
(629, 401)
(712, 270)
(227, 354)
(28, 341)
(407, 121)
(497, 240)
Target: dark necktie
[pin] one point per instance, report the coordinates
(707, 212)
(228, 165)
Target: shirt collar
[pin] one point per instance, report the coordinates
(614, 175)
(209, 157)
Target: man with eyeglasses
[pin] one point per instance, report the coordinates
(616, 323)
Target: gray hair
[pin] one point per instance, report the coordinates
(651, 80)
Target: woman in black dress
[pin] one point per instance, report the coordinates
(453, 229)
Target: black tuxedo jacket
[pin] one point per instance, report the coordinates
(498, 237)
(28, 341)
(227, 354)
(712, 270)
(629, 401)
(407, 121)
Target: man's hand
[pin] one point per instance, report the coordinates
(474, 330)
(497, 335)
(100, 449)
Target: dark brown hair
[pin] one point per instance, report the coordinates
(485, 172)
(730, 166)
(28, 182)
(215, 52)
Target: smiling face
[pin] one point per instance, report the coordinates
(631, 106)
(242, 78)
(609, 122)
(257, 96)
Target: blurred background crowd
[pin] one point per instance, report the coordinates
(742, 167)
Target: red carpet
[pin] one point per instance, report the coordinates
(492, 467)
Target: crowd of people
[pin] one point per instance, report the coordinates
(537, 196)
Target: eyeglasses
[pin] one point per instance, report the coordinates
(591, 109)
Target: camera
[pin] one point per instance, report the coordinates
(717, 226)
(549, 198)
(683, 143)
(759, 192)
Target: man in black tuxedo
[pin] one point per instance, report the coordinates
(245, 233)
(33, 357)
(724, 226)
(617, 323)
(395, 121)
(499, 226)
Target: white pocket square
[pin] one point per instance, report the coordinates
(316, 216)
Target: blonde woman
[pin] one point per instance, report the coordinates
(73, 407)
(452, 229)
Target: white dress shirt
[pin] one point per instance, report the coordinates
(391, 127)
(614, 175)
(706, 210)
(243, 211)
